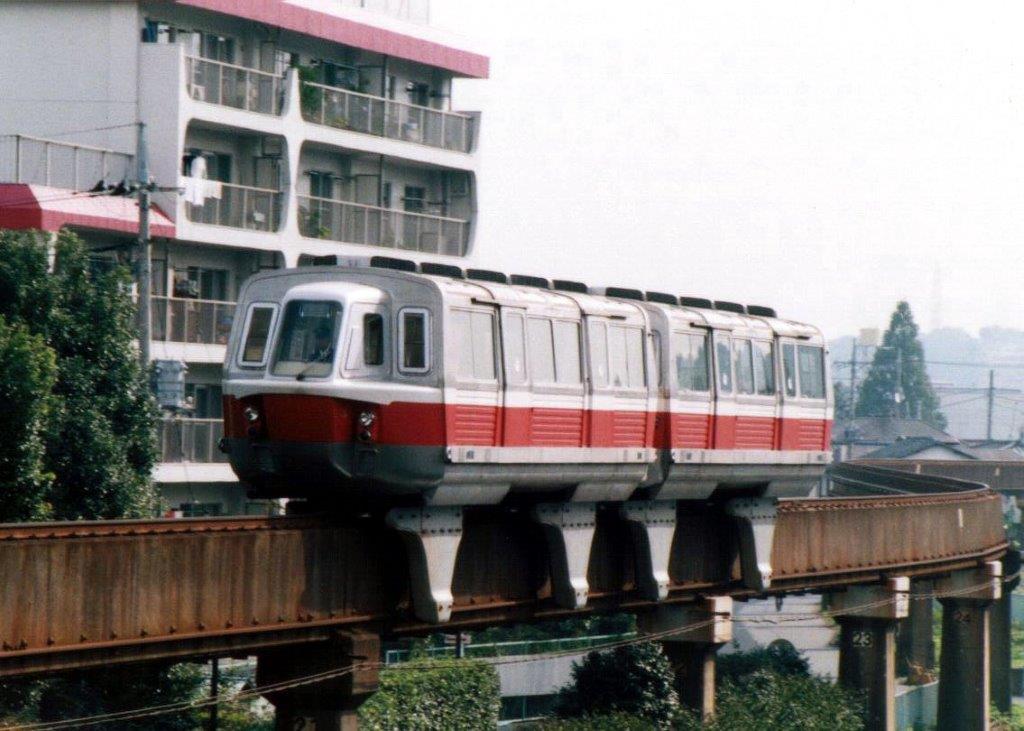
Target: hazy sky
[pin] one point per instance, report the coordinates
(826, 158)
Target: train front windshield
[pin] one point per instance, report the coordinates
(308, 339)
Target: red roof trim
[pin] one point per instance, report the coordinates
(51, 209)
(281, 14)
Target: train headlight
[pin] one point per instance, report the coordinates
(251, 414)
(366, 419)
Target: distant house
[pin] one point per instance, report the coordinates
(883, 437)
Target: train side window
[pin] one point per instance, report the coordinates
(764, 368)
(373, 339)
(743, 366)
(567, 352)
(598, 341)
(414, 340)
(691, 360)
(723, 359)
(812, 371)
(789, 368)
(513, 333)
(542, 350)
(626, 355)
(259, 323)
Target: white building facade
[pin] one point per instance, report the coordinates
(290, 129)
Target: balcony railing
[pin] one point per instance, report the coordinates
(38, 161)
(240, 206)
(229, 85)
(180, 320)
(335, 107)
(190, 440)
(354, 223)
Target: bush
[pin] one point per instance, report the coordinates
(768, 701)
(427, 695)
(634, 679)
(781, 659)
(610, 722)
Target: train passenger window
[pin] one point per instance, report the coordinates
(513, 334)
(743, 366)
(373, 339)
(567, 352)
(598, 339)
(812, 371)
(306, 346)
(723, 359)
(691, 361)
(542, 350)
(257, 334)
(474, 345)
(764, 368)
(789, 368)
(626, 356)
(414, 340)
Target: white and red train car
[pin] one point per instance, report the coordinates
(404, 384)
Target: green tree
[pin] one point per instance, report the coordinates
(98, 439)
(634, 679)
(27, 374)
(897, 383)
(782, 659)
(429, 695)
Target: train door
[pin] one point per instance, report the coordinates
(691, 411)
(725, 392)
(618, 396)
(804, 415)
(473, 398)
(515, 412)
(556, 382)
(754, 387)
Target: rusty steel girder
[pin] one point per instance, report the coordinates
(83, 594)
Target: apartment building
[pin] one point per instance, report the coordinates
(280, 131)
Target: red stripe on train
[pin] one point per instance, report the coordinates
(320, 419)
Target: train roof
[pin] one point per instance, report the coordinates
(594, 302)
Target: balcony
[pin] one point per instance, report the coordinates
(240, 206)
(354, 223)
(334, 107)
(228, 85)
(190, 440)
(180, 320)
(37, 161)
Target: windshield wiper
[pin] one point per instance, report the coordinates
(325, 358)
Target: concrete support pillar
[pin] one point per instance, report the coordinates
(999, 635)
(692, 652)
(867, 617)
(964, 679)
(331, 704)
(915, 644)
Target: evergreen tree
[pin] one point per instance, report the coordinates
(27, 375)
(897, 383)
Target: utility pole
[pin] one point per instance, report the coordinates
(991, 400)
(898, 396)
(853, 380)
(144, 264)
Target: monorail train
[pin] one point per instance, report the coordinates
(422, 384)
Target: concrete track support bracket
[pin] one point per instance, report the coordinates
(867, 617)
(964, 670)
(653, 525)
(756, 518)
(704, 628)
(432, 536)
(569, 529)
